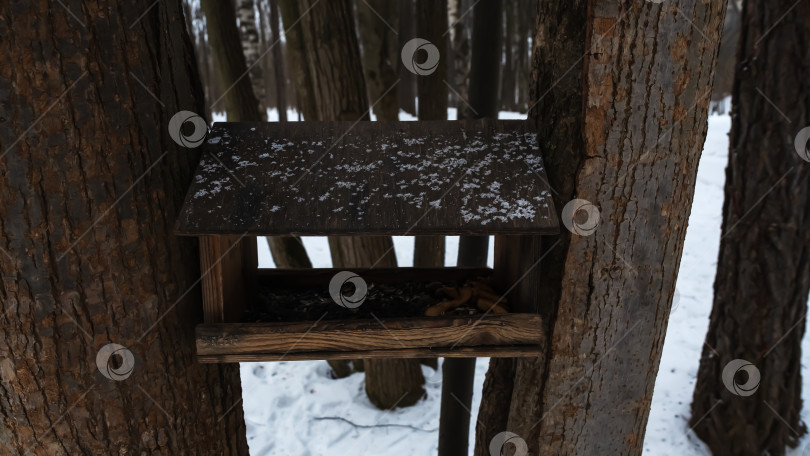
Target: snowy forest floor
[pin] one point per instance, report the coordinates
(295, 408)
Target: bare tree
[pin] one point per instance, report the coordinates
(375, 19)
(324, 52)
(249, 35)
(458, 373)
(431, 25)
(747, 397)
(241, 105)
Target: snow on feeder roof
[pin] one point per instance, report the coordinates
(393, 178)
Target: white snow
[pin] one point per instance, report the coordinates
(285, 403)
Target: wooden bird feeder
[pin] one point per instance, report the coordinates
(482, 177)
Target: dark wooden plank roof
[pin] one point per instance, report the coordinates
(316, 178)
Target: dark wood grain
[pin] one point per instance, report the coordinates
(516, 351)
(227, 267)
(352, 336)
(341, 178)
(322, 276)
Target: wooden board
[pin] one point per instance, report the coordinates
(321, 276)
(227, 266)
(341, 178)
(403, 337)
(518, 351)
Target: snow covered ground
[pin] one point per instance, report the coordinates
(295, 408)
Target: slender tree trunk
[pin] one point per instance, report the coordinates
(431, 25)
(460, 54)
(375, 20)
(278, 62)
(91, 186)
(229, 61)
(618, 131)
(522, 70)
(241, 105)
(329, 81)
(511, 13)
(459, 373)
(249, 36)
(406, 89)
(763, 270)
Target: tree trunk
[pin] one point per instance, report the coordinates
(459, 373)
(763, 270)
(91, 188)
(278, 62)
(229, 61)
(624, 131)
(241, 105)
(375, 19)
(406, 89)
(459, 43)
(330, 85)
(512, 13)
(431, 25)
(249, 36)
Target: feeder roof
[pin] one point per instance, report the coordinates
(386, 178)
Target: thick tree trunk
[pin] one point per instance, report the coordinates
(624, 131)
(249, 35)
(763, 271)
(91, 186)
(329, 81)
(431, 25)
(375, 19)
(241, 105)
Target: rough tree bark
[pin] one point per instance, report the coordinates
(91, 184)
(330, 86)
(431, 25)
(763, 270)
(241, 105)
(375, 19)
(621, 103)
